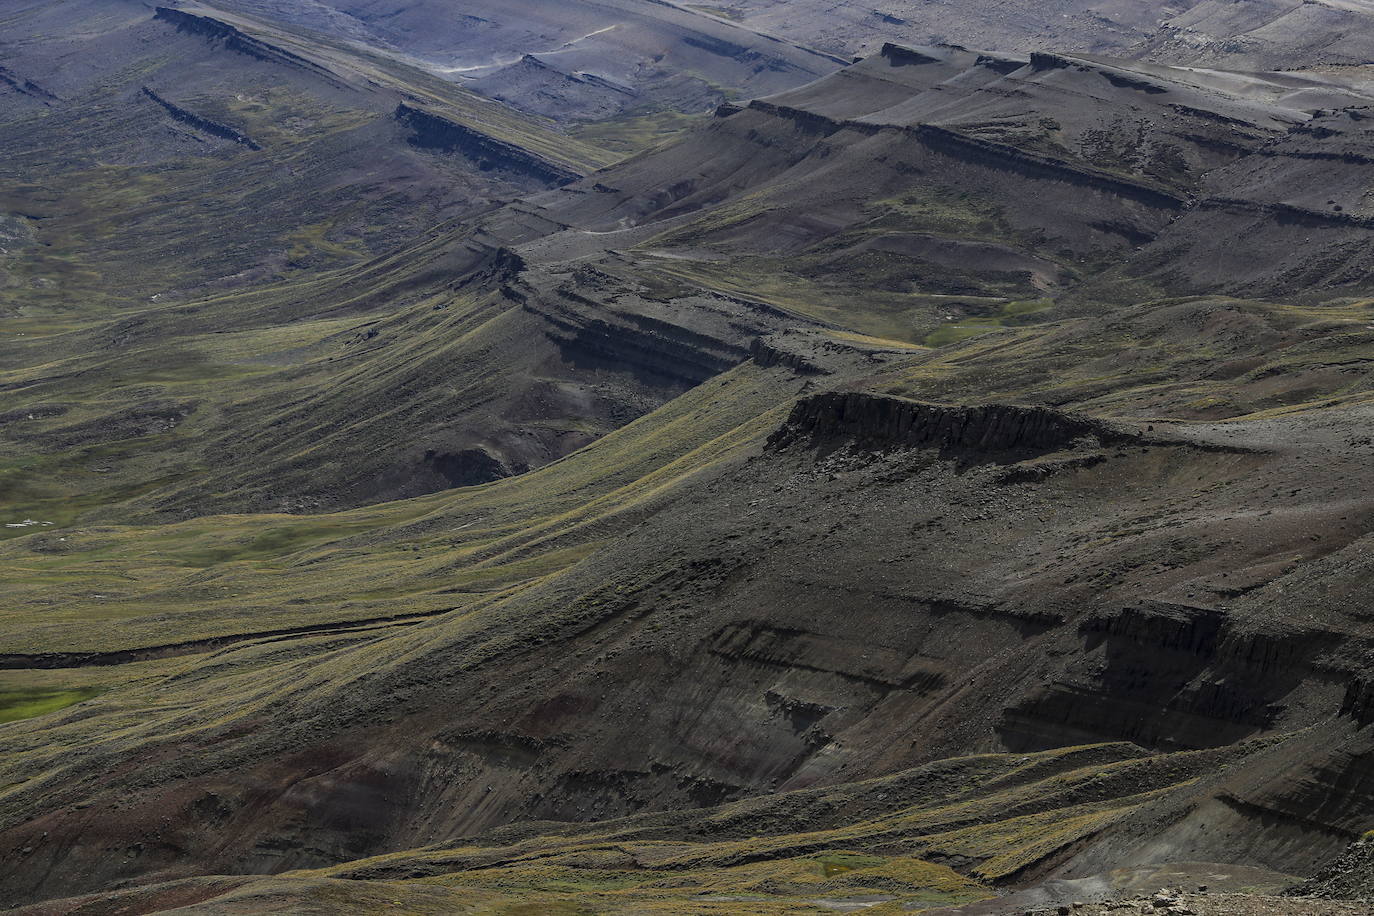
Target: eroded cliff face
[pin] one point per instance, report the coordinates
(433, 131)
(202, 124)
(1171, 675)
(240, 42)
(984, 432)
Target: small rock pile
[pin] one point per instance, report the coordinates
(1199, 902)
(1165, 902)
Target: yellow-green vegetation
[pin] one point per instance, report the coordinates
(1196, 358)
(841, 299)
(632, 133)
(964, 328)
(89, 212)
(889, 275)
(108, 587)
(939, 210)
(872, 842)
(25, 704)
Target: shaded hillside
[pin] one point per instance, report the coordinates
(151, 154)
(273, 215)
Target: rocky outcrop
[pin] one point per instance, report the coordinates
(1358, 703)
(656, 351)
(467, 467)
(1288, 214)
(1035, 165)
(902, 56)
(1349, 877)
(238, 41)
(988, 153)
(204, 125)
(813, 121)
(25, 86)
(1168, 676)
(432, 131)
(767, 353)
(994, 430)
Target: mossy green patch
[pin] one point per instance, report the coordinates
(1009, 314)
(26, 704)
(635, 132)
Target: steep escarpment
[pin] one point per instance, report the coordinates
(1168, 675)
(601, 324)
(886, 422)
(238, 41)
(204, 125)
(432, 131)
(26, 87)
(983, 151)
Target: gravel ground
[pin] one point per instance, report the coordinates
(1174, 904)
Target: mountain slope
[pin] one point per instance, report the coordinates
(900, 486)
(629, 55)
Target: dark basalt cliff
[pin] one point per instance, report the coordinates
(431, 131)
(236, 40)
(596, 325)
(888, 422)
(1170, 676)
(25, 86)
(204, 125)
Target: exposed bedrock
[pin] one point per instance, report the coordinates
(204, 125)
(889, 422)
(600, 324)
(1358, 703)
(238, 41)
(467, 467)
(768, 353)
(25, 86)
(656, 352)
(1173, 676)
(1350, 876)
(432, 131)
